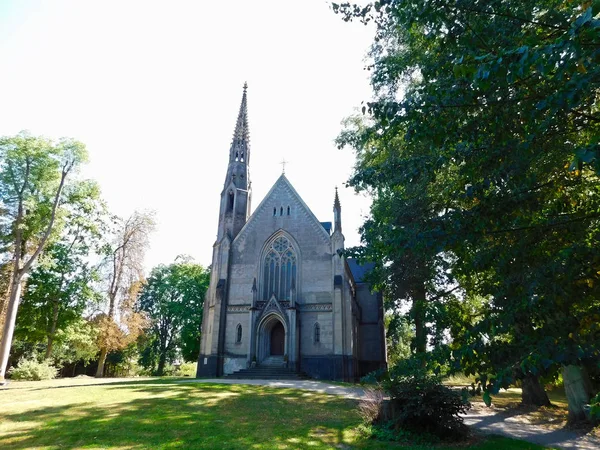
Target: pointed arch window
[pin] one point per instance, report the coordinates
(317, 333)
(238, 333)
(230, 199)
(279, 269)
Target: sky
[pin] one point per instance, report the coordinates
(153, 89)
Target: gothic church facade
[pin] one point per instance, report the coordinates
(281, 292)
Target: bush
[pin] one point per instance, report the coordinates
(595, 408)
(370, 405)
(420, 403)
(32, 370)
(187, 369)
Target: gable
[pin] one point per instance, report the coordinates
(275, 205)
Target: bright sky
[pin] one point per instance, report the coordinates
(153, 89)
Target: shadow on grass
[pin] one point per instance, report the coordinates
(107, 382)
(149, 414)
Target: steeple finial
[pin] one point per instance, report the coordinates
(240, 144)
(337, 212)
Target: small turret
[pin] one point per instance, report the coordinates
(337, 212)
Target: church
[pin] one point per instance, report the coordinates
(281, 291)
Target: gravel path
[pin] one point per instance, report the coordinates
(484, 420)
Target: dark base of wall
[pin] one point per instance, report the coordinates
(366, 367)
(209, 369)
(341, 368)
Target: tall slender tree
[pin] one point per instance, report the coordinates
(120, 324)
(64, 282)
(33, 174)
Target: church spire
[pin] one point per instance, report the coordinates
(337, 212)
(236, 194)
(240, 144)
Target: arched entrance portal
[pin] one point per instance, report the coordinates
(277, 339)
(272, 338)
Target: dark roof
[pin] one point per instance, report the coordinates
(359, 271)
(327, 226)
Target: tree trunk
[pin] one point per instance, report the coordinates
(419, 318)
(9, 324)
(52, 329)
(101, 362)
(533, 393)
(577, 390)
(162, 361)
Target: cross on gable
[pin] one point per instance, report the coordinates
(283, 163)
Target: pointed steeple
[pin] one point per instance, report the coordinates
(240, 144)
(337, 212)
(236, 194)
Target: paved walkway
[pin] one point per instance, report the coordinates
(308, 385)
(510, 425)
(485, 420)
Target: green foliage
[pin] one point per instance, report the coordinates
(422, 404)
(187, 369)
(595, 408)
(30, 173)
(65, 282)
(35, 174)
(173, 298)
(387, 432)
(481, 151)
(33, 370)
(77, 342)
(398, 336)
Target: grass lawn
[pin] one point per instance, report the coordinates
(165, 414)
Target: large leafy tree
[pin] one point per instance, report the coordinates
(173, 299)
(65, 282)
(490, 109)
(33, 174)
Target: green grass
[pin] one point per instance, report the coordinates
(165, 414)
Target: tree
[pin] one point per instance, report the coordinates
(173, 298)
(76, 342)
(497, 118)
(64, 283)
(33, 174)
(121, 324)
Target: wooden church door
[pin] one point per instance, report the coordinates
(277, 339)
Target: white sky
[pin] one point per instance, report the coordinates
(153, 89)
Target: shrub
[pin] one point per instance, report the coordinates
(187, 369)
(595, 408)
(420, 403)
(32, 370)
(370, 405)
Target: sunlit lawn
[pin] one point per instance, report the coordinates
(165, 414)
